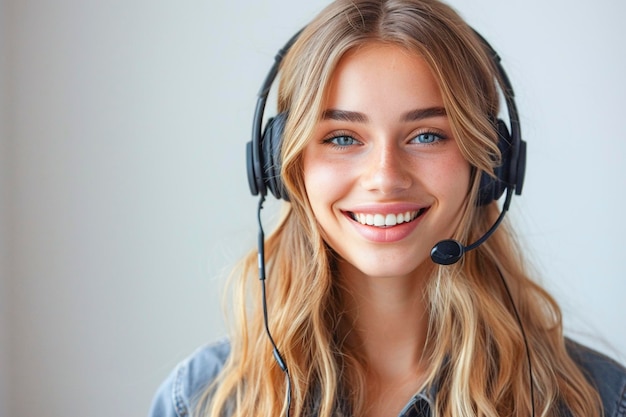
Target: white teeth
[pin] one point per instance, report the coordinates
(382, 220)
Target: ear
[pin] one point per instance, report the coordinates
(271, 143)
(492, 188)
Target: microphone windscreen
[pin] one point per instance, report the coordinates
(447, 252)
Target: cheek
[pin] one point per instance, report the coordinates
(462, 172)
(321, 176)
(454, 179)
(315, 179)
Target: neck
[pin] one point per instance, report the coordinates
(389, 321)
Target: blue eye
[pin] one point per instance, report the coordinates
(342, 141)
(427, 138)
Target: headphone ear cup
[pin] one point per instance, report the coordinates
(492, 188)
(255, 180)
(270, 147)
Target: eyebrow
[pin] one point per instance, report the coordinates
(357, 117)
(426, 113)
(345, 116)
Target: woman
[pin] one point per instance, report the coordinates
(390, 144)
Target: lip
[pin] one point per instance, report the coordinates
(386, 234)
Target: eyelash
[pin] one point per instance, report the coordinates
(332, 138)
(439, 136)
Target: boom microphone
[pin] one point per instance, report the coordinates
(450, 251)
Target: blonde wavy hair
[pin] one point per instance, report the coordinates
(475, 346)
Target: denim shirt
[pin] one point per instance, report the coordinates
(177, 395)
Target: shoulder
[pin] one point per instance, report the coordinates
(176, 395)
(607, 375)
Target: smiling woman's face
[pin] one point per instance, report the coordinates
(383, 173)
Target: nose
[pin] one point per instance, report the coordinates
(386, 170)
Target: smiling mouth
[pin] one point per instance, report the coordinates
(385, 220)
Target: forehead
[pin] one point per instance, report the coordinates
(384, 75)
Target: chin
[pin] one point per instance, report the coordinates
(386, 268)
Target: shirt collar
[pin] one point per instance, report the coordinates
(420, 405)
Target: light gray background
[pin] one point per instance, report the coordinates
(124, 199)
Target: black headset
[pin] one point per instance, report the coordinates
(263, 151)
(264, 164)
